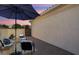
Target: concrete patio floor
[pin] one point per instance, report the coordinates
(43, 48)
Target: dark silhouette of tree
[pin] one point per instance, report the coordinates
(17, 26)
(27, 26)
(4, 26)
(27, 30)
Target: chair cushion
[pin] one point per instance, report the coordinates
(26, 46)
(6, 41)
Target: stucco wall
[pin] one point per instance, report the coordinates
(5, 33)
(60, 29)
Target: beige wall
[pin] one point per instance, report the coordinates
(60, 28)
(5, 33)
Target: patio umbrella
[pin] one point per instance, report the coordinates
(18, 11)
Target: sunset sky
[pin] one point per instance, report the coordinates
(41, 7)
(38, 7)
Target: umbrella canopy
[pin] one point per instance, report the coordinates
(18, 11)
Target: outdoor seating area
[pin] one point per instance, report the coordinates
(9, 46)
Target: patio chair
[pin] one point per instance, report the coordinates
(7, 42)
(27, 47)
(5, 45)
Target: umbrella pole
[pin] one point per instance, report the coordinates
(16, 52)
(15, 35)
(15, 45)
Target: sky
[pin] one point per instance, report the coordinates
(40, 8)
